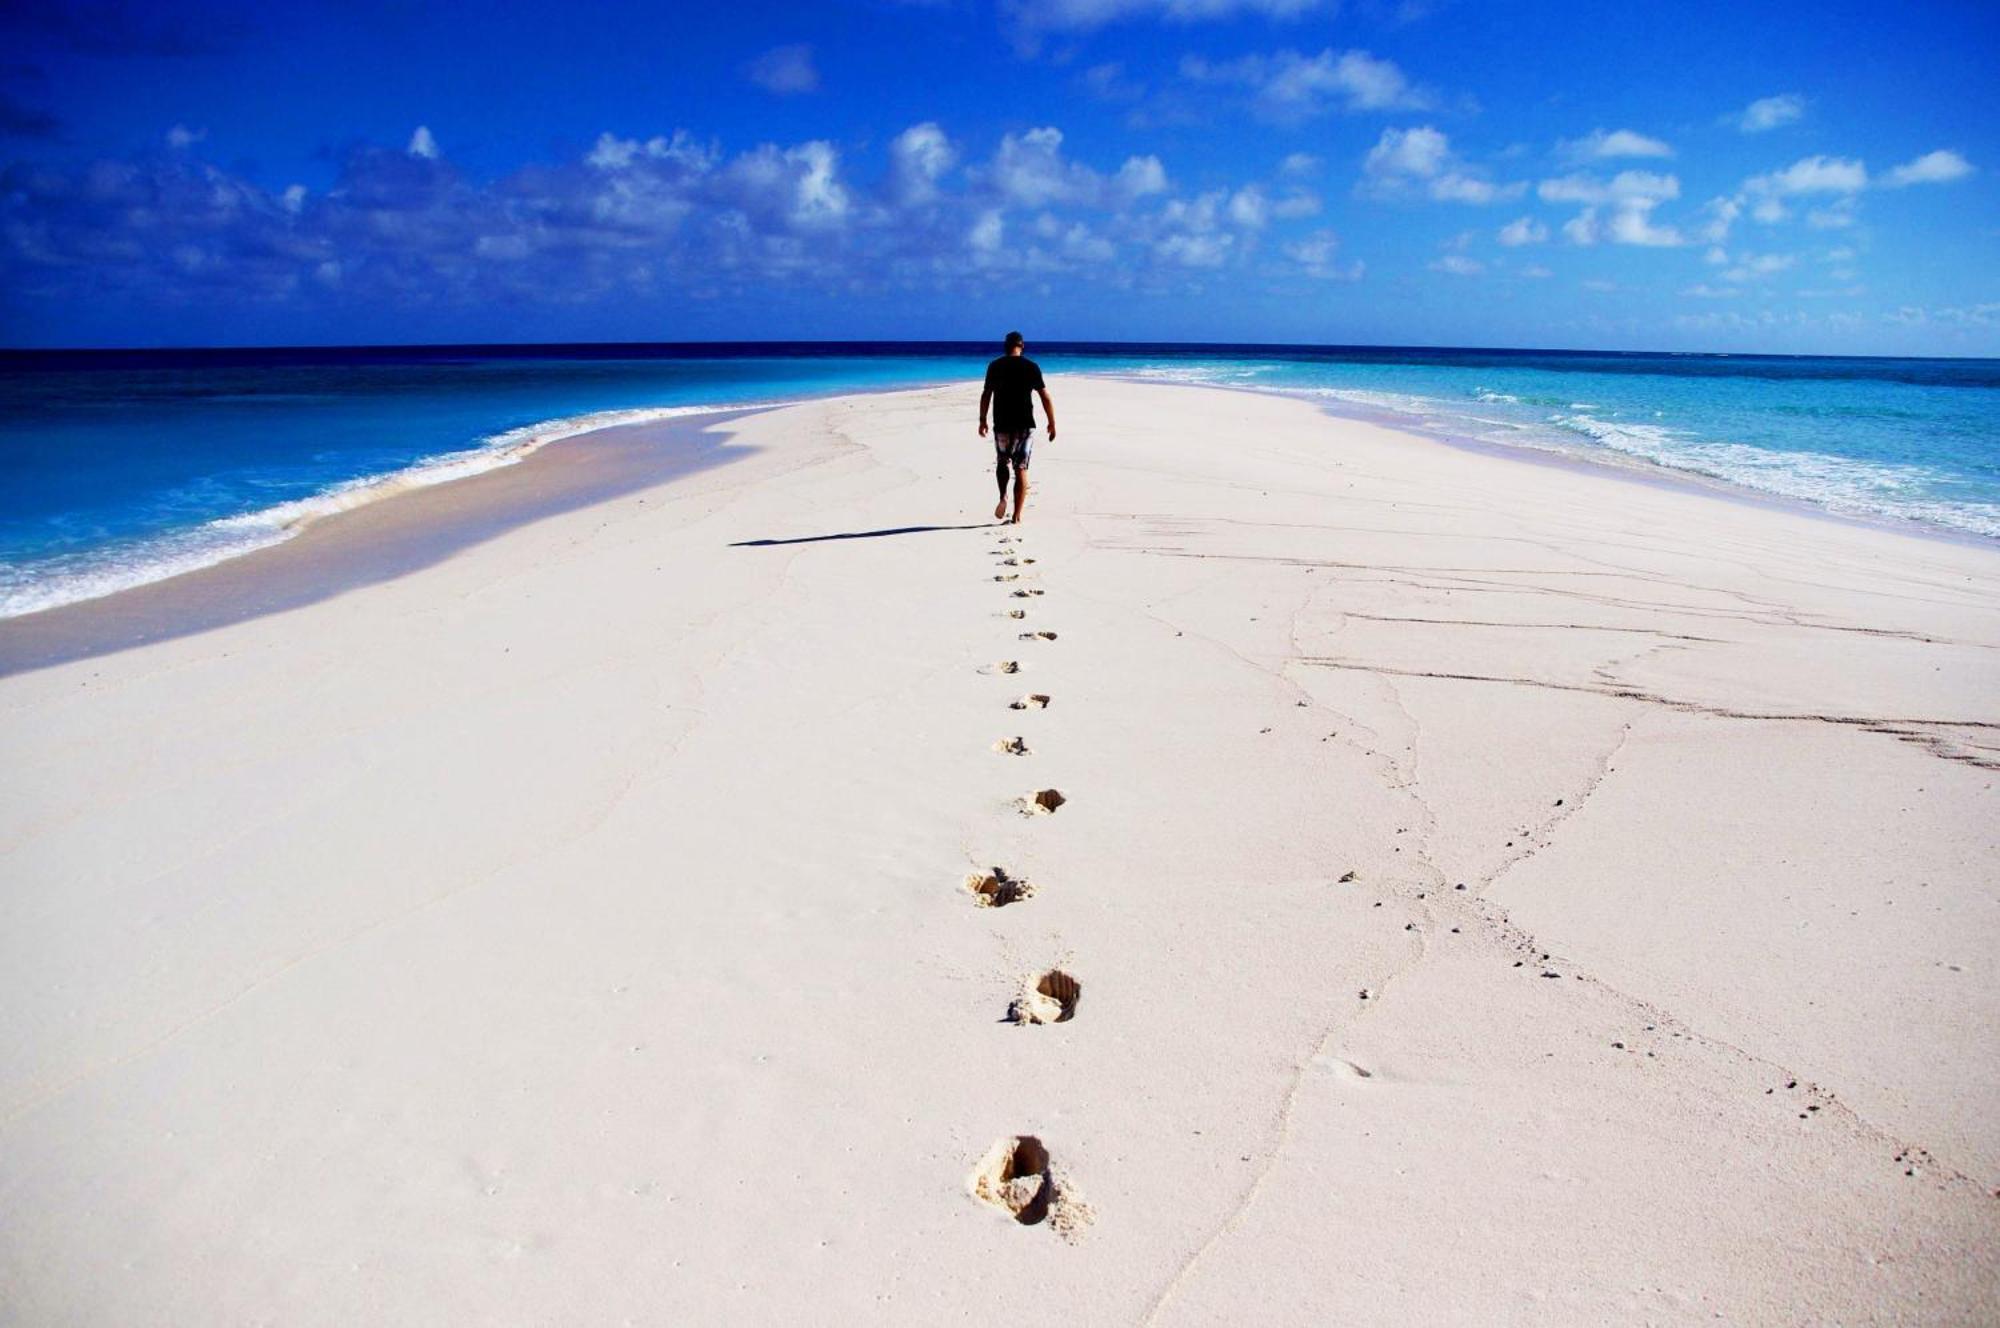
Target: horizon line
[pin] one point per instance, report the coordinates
(23, 353)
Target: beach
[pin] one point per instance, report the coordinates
(1474, 891)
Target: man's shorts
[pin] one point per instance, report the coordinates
(1015, 447)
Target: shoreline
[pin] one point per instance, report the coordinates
(1568, 901)
(1641, 470)
(389, 537)
(146, 612)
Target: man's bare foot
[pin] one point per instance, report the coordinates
(1000, 510)
(1016, 521)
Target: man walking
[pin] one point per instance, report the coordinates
(1012, 383)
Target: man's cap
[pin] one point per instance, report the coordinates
(1013, 339)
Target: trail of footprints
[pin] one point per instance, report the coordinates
(1018, 1176)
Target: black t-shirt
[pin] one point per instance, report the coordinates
(1013, 380)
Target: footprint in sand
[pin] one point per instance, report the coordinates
(1038, 636)
(1017, 613)
(1049, 998)
(1018, 1177)
(1042, 802)
(1008, 576)
(1032, 701)
(1026, 594)
(998, 888)
(1013, 747)
(1002, 666)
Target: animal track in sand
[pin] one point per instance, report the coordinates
(1038, 636)
(1032, 701)
(1013, 747)
(1024, 594)
(1043, 802)
(1048, 999)
(997, 889)
(1018, 1177)
(1002, 666)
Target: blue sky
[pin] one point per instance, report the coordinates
(1797, 177)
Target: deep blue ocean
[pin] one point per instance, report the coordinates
(118, 468)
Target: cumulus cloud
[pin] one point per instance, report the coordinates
(1812, 175)
(1627, 199)
(628, 217)
(1523, 230)
(918, 159)
(1769, 113)
(785, 70)
(1458, 265)
(1755, 267)
(1938, 167)
(1317, 256)
(1291, 87)
(1601, 145)
(1419, 161)
(1299, 164)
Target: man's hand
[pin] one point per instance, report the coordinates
(982, 428)
(1052, 431)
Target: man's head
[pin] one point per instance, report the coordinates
(1014, 343)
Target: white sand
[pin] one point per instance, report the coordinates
(576, 931)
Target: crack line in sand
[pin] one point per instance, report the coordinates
(1903, 729)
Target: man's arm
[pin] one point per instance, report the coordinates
(985, 400)
(1048, 409)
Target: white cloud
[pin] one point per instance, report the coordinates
(1769, 112)
(1029, 169)
(180, 136)
(1722, 214)
(1704, 291)
(1407, 160)
(1633, 224)
(1422, 151)
(1139, 177)
(987, 232)
(801, 183)
(1536, 271)
(1625, 187)
(611, 153)
(1291, 87)
(293, 200)
(1249, 208)
(1296, 203)
(1601, 145)
(1209, 250)
(1316, 254)
(1630, 196)
(1932, 168)
(1753, 267)
(1837, 215)
(1812, 175)
(1523, 230)
(1458, 265)
(1299, 164)
(918, 159)
(422, 144)
(785, 70)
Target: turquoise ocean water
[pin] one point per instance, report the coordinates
(122, 468)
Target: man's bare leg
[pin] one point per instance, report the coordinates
(1020, 491)
(1000, 473)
